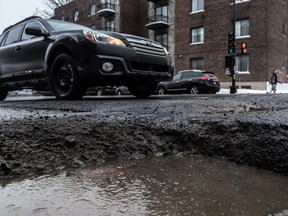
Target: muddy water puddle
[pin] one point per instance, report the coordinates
(182, 185)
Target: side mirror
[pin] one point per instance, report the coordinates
(36, 31)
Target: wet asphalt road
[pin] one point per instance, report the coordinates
(246, 129)
(43, 135)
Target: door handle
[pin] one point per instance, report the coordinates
(17, 48)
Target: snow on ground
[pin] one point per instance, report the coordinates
(281, 88)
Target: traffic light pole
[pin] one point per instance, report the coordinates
(233, 88)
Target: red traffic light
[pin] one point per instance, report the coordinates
(243, 48)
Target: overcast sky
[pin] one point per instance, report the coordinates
(12, 11)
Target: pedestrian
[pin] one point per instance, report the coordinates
(273, 81)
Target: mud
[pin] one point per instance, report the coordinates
(246, 129)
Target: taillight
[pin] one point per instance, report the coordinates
(205, 78)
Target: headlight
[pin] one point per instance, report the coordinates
(103, 38)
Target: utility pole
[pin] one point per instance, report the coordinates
(233, 88)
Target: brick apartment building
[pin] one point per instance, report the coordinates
(196, 32)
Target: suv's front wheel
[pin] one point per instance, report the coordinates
(64, 81)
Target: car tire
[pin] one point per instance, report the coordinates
(161, 91)
(3, 94)
(194, 90)
(99, 92)
(142, 91)
(64, 81)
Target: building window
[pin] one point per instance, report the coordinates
(92, 10)
(197, 63)
(161, 13)
(197, 35)
(242, 63)
(110, 25)
(13, 35)
(197, 5)
(76, 15)
(162, 39)
(242, 28)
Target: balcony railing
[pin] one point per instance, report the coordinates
(158, 22)
(106, 10)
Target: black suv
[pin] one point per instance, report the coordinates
(190, 82)
(66, 58)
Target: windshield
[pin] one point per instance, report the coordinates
(58, 25)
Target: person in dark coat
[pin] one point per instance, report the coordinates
(273, 81)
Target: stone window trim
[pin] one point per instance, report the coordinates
(243, 37)
(196, 43)
(196, 12)
(240, 1)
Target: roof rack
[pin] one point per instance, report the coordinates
(28, 18)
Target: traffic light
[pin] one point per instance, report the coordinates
(243, 48)
(231, 43)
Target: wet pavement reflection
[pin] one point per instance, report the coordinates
(175, 185)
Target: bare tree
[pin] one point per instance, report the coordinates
(51, 5)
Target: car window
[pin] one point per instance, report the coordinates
(58, 25)
(177, 77)
(197, 74)
(187, 75)
(13, 35)
(209, 74)
(30, 24)
(1, 39)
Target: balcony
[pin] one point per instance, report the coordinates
(158, 22)
(106, 10)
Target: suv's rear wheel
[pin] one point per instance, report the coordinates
(142, 91)
(99, 92)
(161, 91)
(64, 81)
(3, 94)
(194, 90)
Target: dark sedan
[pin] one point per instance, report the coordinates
(190, 82)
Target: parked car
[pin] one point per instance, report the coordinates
(122, 90)
(101, 90)
(67, 58)
(190, 82)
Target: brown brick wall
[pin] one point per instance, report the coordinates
(277, 42)
(133, 17)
